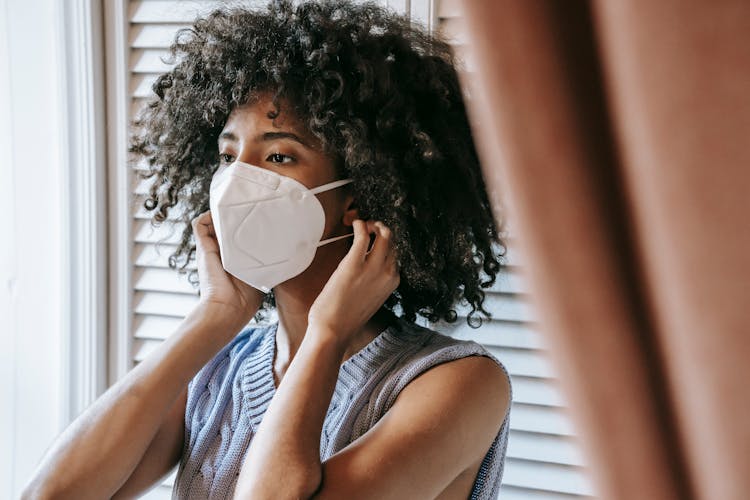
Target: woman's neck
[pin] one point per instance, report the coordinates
(294, 298)
(292, 310)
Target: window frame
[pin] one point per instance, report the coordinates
(84, 205)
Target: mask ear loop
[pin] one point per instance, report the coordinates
(335, 238)
(326, 187)
(330, 185)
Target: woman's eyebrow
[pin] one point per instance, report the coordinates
(267, 136)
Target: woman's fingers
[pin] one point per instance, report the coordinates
(361, 240)
(203, 225)
(205, 236)
(391, 258)
(382, 244)
(383, 254)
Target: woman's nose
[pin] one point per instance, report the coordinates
(248, 155)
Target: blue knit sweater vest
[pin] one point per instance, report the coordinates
(229, 396)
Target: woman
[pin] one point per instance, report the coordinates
(346, 119)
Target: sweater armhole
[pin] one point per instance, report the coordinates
(487, 482)
(439, 356)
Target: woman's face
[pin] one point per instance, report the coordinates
(250, 136)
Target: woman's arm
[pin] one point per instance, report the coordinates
(283, 460)
(161, 456)
(284, 456)
(98, 451)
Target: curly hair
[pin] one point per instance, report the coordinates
(379, 92)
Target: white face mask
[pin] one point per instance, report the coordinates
(268, 225)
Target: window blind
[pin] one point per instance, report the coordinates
(161, 298)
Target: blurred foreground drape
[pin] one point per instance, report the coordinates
(616, 134)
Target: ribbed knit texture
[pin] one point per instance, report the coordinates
(229, 396)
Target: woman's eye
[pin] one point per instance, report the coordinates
(278, 156)
(274, 157)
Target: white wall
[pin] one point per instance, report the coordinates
(31, 240)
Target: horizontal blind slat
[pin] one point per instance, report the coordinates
(144, 232)
(508, 492)
(140, 85)
(544, 448)
(161, 492)
(495, 332)
(161, 280)
(149, 327)
(147, 255)
(526, 362)
(171, 11)
(541, 419)
(154, 36)
(149, 61)
(143, 347)
(537, 391)
(511, 307)
(544, 476)
(510, 280)
(164, 304)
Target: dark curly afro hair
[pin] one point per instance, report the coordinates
(381, 94)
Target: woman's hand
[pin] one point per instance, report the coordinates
(236, 300)
(360, 284)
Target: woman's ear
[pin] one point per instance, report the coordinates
(350, 212)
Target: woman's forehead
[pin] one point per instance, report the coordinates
(259, 107)
(253, 117)
(260, 111)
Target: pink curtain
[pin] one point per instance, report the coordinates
(616, 134)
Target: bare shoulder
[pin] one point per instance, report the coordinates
(474, 388)
(430, 441)
(482, 374)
